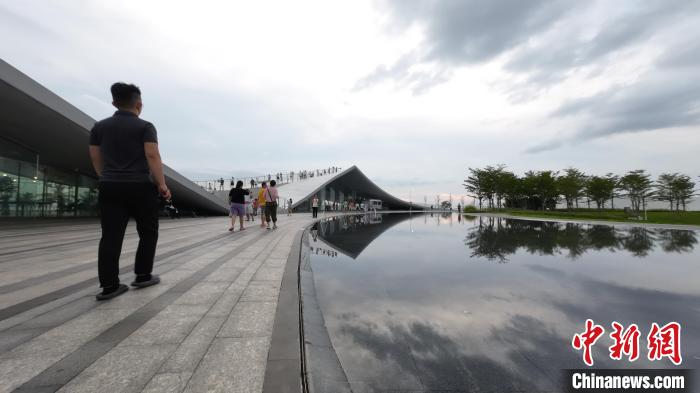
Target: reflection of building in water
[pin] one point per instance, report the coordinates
(496, 238)
(375, 218)
(318, 250)
(442, 217)
(351, 234)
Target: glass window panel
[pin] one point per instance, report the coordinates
(8, 194)
(26, 191)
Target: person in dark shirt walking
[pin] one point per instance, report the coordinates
(124, 152)
(236, 198)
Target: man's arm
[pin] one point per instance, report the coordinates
(96, 158)
(156, 166)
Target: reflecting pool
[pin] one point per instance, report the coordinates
(399, 302)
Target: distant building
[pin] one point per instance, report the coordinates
(348, 185)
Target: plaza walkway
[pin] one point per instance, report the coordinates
(206, 328)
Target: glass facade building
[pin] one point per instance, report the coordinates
(30, 189)
(45, 168)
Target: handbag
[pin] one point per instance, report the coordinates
(271, 200)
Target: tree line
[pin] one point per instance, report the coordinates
(498, 187)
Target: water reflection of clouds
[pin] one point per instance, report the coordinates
(401, 318)
(423, 358)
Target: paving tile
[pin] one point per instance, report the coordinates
(68, 337)
(61, 314)
(126, 369)
(287, 376)
(245, 276)
(231, 365)
(275, 262)
(203, 293)
(250, 319)
(219, 329)
(168, 382)
(270, 274)
(250, 252)
(258, 291)
(12, 338)
(169, 326)
(224, 274)
(137, 298)
(239, 262)
(16, 371)
(28, 293)
(190, 352)
(223, 306)
(282, 252)
(44, 308)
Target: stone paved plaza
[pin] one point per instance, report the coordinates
(206, 328)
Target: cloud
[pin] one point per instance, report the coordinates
(666, 96)
(233, 96)
(16, 21)
(460, 33)
(541, 43)
(583, 42)
(435, 360)
(551, 145)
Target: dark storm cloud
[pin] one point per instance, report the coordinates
(633, 23)
(666, 96)
(656, 102)
(479, 30)
(460, 33)
(544, 41)
(685, 55)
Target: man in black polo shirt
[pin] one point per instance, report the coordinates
(124, 153)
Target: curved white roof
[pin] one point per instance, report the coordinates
(350, 179)
(299, 190)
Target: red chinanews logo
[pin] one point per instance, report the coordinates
(662, 342)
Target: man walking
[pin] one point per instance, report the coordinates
(271, 202)
(124, 152)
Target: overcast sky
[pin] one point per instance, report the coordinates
(412, 92)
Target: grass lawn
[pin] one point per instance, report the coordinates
(653, 216)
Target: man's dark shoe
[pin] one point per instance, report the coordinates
(147, 281)
(111, 293)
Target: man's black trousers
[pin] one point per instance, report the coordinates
(271, 212)
(118, 202)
